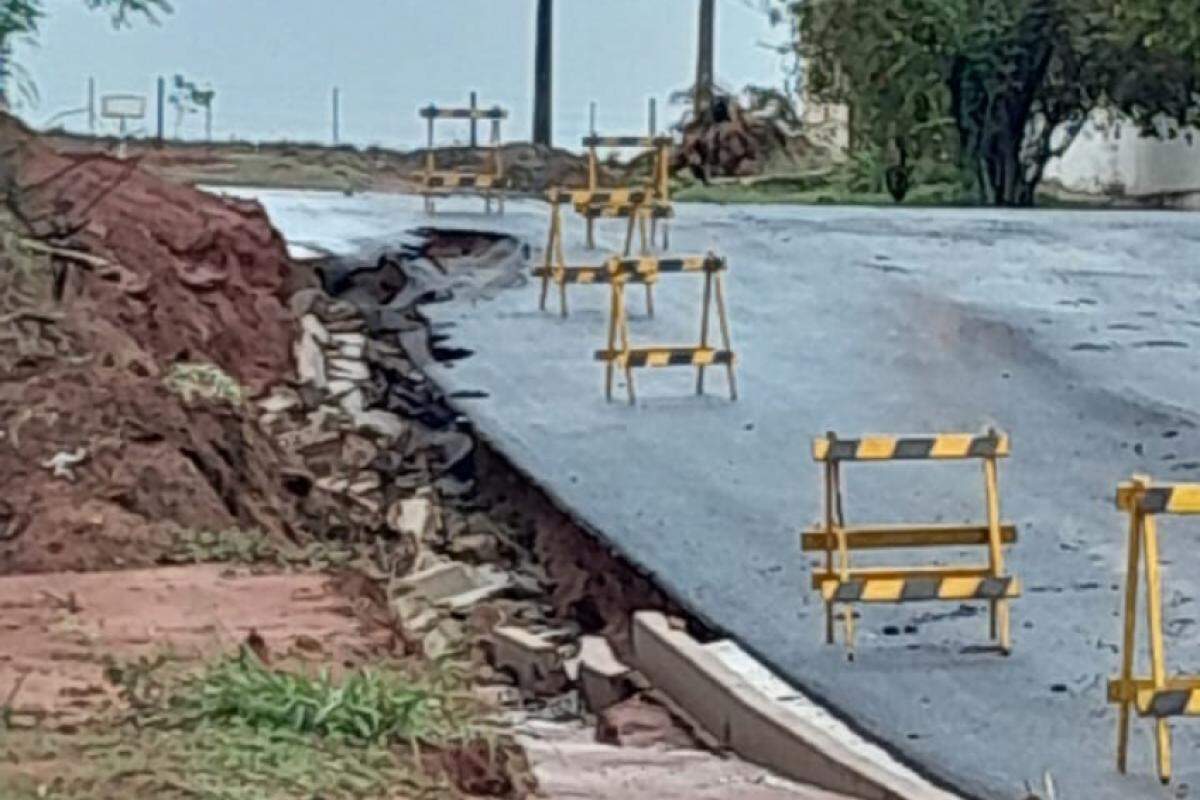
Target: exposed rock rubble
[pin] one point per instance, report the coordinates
(487, 568)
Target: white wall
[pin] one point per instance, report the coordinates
(1113, 159)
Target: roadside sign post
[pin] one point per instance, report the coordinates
(123, 108)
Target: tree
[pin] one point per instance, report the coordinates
(188, 98)
(20, 19)
(1001, 86)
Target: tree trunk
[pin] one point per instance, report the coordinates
(704, 59)
(543, 73)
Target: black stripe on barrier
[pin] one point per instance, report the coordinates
(993, 588)
(920, 589)
(1169, 703)
(913, 448)
(625, 141)
(620, 210)
(1156, 499)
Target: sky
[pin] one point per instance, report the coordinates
(274, 63)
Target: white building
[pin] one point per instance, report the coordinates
(1111, 159)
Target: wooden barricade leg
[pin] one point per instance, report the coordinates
(1130, 635)
(643, 225)
(1154, 619)
(498, 166)
(998, 609)
(628, 249)
(704, 306)
(625, 343)
(613, 320)
(591, 232)
(723, 319)
(560, 257)
(831, 479)
(551, 242)
(649, 298)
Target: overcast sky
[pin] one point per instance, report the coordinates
(273, 63)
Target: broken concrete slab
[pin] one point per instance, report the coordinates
(312, 326)
(310, 362)
(533, 660)
(603, 679)
(413, 516)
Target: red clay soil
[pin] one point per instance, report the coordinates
(195, 277)
(83, 355)
(57, 638)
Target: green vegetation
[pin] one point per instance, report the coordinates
(253, 547)
(242, 731)
(996, 87)
(21, 20)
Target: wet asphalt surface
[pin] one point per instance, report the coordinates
(1075, 332)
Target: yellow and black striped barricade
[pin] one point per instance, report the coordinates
(555, 268)
(488, 183)
(840, 582)
(1155, 695)
(620, 353)
(647, 205)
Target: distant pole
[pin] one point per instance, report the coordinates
(704, 57)
(474, 122)
(208, 122)
(653, 120)
(162, 99)
(337, 111)
(592, 118)
(542, 72)
(91, 105)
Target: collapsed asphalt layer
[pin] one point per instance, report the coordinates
(1073, 332)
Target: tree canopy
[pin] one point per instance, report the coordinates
(21, 19)
(999, 86)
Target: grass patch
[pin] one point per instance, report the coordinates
(819, 189)
(253, 547)
(240, 730)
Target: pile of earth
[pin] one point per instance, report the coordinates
(137, 319)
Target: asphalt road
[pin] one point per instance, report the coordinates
(1075, 332)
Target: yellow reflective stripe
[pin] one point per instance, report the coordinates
(951, 445)
(876, 447)
(658, 359)
(958, 588)
(703, 358)
(882, 591)
(1185, 499)
(820, 449)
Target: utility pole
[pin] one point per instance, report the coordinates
(91, 105)
(162, 101)
(474, 122)
(704, 58)
(337, 113)
(542, 73)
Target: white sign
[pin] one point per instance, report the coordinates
(123, 106)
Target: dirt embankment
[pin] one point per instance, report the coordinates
(530, 168)
(135, 317)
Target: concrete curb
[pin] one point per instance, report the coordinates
(750, 711)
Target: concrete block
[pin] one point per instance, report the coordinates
(760, 728)
(603, 680)
(533, 661)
